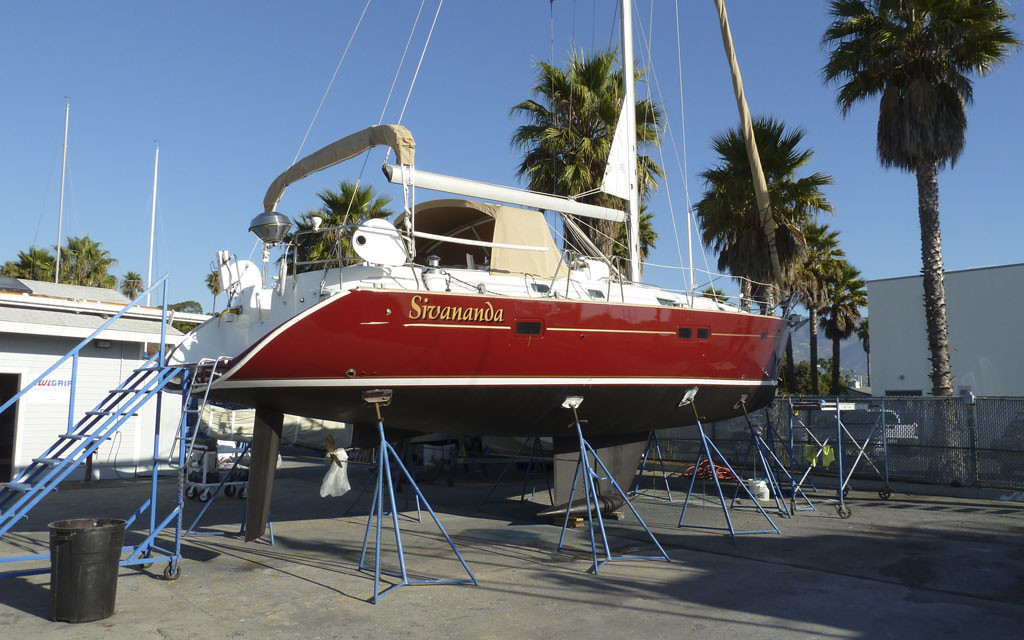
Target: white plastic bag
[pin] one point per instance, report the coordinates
(336, 481)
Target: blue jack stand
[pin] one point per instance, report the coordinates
(385, 458)
(652, 442)
(535, 464)
(707, 447)
(590, 489)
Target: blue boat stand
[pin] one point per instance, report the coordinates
(386, 457)
(536, 464)
(585, 467)
(652, 443)
(707, 449)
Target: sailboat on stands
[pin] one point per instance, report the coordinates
(470, 314)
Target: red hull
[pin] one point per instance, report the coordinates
(456, 360)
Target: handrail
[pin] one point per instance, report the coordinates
(73, 353)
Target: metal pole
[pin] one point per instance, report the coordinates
(71, 401)
(152, 224)
(63, 171)
(629, 105)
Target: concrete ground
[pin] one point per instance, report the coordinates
(912, 566)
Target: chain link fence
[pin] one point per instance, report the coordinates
(922, 439)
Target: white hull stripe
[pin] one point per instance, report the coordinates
(484, 382)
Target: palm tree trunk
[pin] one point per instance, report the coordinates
(745, 294)
(790, 367)
(935, 310)
(934, 287)
(869, 371)
(835, 368)
(812, 327)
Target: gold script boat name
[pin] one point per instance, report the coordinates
(423, 310)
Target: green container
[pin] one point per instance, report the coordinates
(84, 558)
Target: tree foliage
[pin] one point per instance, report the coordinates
(917, 57)
(846, 294)
(132, 285)
(351, 204)
(83, 261)
(728, 215)
(213, 284)
(568, 136)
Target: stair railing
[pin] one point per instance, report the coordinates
(73, 355)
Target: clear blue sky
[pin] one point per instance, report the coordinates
(229, 88)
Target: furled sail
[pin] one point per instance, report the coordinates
(616, 171)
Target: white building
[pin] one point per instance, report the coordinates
(985, 313)
(42, 321)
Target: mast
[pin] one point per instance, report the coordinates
(152, 224)
(760, 184)
(63, 170)
(628, 106)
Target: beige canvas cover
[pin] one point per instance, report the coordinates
(472, 220)
(393, 135)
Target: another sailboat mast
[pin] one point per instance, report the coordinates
(628, 105)
(152, 224)
(63, 171)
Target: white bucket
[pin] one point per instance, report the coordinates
(759, 489)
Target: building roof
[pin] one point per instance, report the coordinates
(72, 311)
(918, 276)
(73, 292)
(88, 321)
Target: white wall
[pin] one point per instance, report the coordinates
(43, 411)
(985, 313)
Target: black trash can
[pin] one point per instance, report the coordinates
(85, 556)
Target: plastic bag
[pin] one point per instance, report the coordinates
(336, 481)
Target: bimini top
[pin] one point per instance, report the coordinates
(472, 220)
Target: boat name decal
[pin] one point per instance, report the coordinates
(423, 310)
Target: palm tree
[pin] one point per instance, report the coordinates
(728, 213)
(864, 335)
(569, 134)
(213, 284)
(812, 277)
(350, 205)
(648, 240)
(132, 285)
(85, 263)
(35, 264)
(714, 294)
(845, 295)
(917, 55)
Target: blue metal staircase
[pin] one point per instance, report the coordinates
(84, 436)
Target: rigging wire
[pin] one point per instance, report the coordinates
(46, 194)
(331, 83)
(680, 163)
(401, 63)
(423, 54)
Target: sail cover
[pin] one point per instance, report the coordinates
(393, 135)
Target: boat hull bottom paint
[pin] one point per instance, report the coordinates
(509, 410)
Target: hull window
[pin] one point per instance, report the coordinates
(529, 328)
